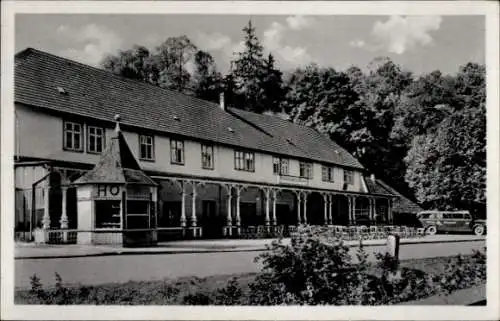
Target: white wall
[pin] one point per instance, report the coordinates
(41, 136)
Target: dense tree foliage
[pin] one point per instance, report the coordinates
(423, 135)
(164, 67)
(258, 85)
(207, 81)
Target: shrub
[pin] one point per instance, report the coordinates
(309, 271)
(231, 294)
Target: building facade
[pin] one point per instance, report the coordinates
(218, 170)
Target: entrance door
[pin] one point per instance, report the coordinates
(248, 214)
(284, 216)
(171, 215)
(210, 221)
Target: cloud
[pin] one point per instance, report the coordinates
(299, 22)
(399, 34)
(219, 42)
(90, 43)
(274, 40)
(357, 43)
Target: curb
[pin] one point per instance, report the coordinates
(201, 251)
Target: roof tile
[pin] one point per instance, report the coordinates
(98, 94)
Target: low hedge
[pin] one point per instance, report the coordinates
(306, 272)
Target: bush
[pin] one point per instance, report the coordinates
(307, 272)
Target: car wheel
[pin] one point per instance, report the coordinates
(431, 230)
(479, 230)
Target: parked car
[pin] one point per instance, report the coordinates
(451, 221)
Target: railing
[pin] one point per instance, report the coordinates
(359, 232)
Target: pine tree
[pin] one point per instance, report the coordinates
(247, 72)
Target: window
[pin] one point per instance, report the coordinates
(146, 147)
(280, 166)
(305, 170)
(207, 156)
(95, 137)
(244, 161)
(176, 151)
(107, 214)
(327, 173)
(73, 136)
(348, 177)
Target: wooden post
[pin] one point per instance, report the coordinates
(354, 209)
(46, 214)
(238, 210)
(299, 205)
(330, 212)
(305, 208)
(193, 207)
(183, 205)
(349, 211)
(325, 209)
(267, 207)
(64, 216)
(274, 219)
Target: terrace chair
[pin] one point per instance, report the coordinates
(373, 232)
(353, 235)
(344, 233)
(261, 231)
(279, 231)
(337, 230)
(410, 231)
(251, 232)
(243, 233)
(362, 232)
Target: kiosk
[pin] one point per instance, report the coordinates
(116, 200)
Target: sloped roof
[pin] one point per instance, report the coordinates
(98, 94)
(401, 205)
(306, 139)
(117, 165)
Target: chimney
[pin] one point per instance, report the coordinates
(221, 101)
(372, 177)
(117, 126)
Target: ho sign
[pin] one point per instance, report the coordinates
(111, 191)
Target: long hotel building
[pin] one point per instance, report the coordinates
(216, 169)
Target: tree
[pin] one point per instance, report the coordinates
(171, 57)
(136, 63)
(207, 81)
(323, 98)
(272, 86)
(421, 107)
(447, 168)
(247, 72)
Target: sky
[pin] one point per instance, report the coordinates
(418, 43)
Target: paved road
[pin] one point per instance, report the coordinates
(122, 268)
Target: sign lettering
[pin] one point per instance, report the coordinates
(108, 190)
